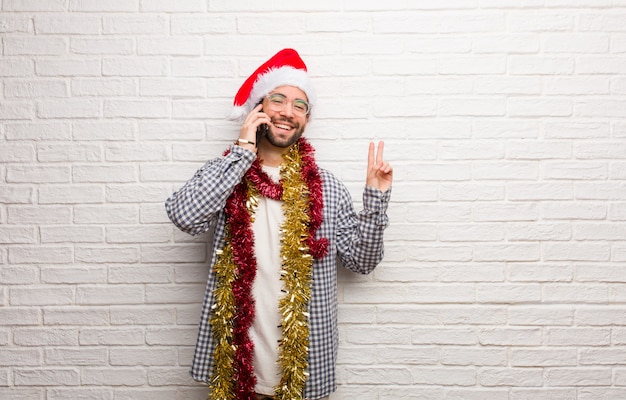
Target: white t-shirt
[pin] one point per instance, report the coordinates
(266, 290)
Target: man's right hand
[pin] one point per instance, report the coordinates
(250, 125)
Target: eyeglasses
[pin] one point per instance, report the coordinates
(278, 102)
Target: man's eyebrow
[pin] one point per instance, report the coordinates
(279, 93)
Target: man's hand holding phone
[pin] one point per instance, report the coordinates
(253, 129)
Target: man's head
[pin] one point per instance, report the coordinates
(288, 109)
(285, 68)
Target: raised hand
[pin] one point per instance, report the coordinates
(379, 172)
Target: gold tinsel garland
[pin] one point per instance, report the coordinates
(223, 314)
(296, 274)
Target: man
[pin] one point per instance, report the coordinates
(268, 327)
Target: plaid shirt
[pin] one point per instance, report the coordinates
(355, 239)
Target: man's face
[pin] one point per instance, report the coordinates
(288, 121)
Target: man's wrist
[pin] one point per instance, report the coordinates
(241, 141)
(246, 144)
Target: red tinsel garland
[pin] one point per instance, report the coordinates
(240, 224)
(243, 256)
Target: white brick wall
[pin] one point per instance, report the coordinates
(504, 276)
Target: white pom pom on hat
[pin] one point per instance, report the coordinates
(285, 68)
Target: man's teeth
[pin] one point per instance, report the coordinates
(281, 126)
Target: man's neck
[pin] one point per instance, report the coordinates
(269, 155)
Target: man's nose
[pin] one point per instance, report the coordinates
(287, 110)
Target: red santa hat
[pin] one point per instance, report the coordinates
(285, 68)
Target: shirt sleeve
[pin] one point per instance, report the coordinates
(194, 206)
(360, 236)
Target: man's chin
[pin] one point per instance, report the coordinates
(283, 141)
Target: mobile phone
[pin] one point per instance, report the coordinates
(261, 131)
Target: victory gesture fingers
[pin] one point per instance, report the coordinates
(379, 172)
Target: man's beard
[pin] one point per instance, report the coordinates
(278, 141)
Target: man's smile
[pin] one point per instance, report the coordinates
(283, 126)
